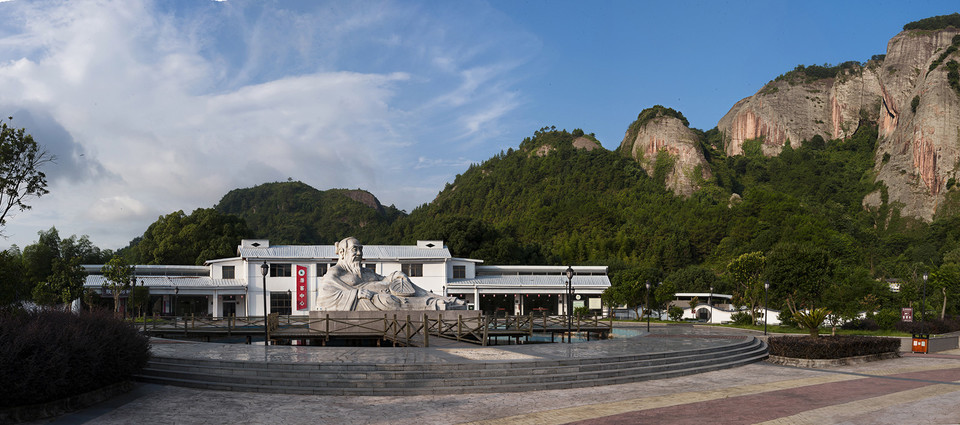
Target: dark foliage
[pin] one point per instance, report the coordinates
(935, 23)
(811, 73)
(50, 355)
(295, 213)
(934, 326)
(831, 347)
(866, 324)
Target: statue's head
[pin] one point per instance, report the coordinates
(350, 252)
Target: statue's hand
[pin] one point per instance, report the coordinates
(366, 293)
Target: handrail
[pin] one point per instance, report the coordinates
(409, 330)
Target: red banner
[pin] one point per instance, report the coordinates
(301, 288)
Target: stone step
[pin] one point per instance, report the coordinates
(450, 378)
(440, 371)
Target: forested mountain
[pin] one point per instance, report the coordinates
(295, 213)
(785, 175)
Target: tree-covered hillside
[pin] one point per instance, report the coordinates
(596, 207)
(295, 213)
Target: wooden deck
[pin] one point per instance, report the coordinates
(402, 328)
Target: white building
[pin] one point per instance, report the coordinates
(235, 286)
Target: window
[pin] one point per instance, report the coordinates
(459, 272)
(412, 270)
(321, 269)
(227, 272)
(280, 303)
(280, 270)
(370, 266)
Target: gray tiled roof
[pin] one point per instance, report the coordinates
(327, 252)
(532, 281)
(96, 281)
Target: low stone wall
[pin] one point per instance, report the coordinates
(934, 345)
(820, 363)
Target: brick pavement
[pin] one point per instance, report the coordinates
(912, 389)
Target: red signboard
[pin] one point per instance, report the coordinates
(301, 288)
(906, 314)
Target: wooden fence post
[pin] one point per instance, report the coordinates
(426, 331)
(486, 327)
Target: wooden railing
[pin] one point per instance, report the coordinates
(411, 328)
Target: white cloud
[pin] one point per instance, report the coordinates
(152, 111)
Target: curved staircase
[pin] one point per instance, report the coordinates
(445, 378)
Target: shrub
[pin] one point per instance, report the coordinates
(831, 347)
(866, 324)
(786, 319)
(50, 355)
(934, 326)
(811, 320)
(742, 318)
(887, 318)
(676, 313)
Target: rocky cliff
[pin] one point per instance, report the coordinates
(799, 105)
(658, 131)
(910, 98)
(919, 147)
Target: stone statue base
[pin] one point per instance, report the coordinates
(375, 323)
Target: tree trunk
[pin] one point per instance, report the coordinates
(943, 310)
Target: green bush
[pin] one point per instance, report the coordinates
(887, 318)
(742, 318)
(675, 312)
(831, 347)
(51, 355)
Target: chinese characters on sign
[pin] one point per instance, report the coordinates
(301, 288)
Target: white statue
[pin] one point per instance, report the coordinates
(348, 286)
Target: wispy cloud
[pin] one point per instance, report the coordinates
(157, 107)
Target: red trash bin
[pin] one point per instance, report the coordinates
(921, 343)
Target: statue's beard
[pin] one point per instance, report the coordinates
(353, 266)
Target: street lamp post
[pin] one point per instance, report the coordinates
(923, 307)
(176, 298)
(766, 311)
(569, 273)
(646, 304)
(710, 304)
(264, 269)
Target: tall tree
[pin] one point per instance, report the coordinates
(747, 271)
(67, 280)
(20, 177)
(946, 279)
(119, 277)
(13, 284)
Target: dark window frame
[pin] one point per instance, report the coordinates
(412, 269)
(280, 302)
(281, 270)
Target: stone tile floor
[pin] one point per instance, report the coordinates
(911, 389)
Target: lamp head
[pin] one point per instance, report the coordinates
(569, 272)
(264, 268)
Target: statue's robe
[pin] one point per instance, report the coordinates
(340, 288)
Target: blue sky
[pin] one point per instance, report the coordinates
(154, 107)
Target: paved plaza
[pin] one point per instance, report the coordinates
(911, 389)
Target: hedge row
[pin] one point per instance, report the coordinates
(830, 347)
(50, 355)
